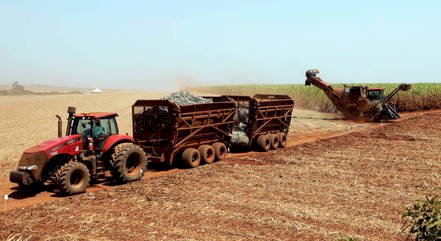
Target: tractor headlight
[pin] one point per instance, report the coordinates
(27, 168)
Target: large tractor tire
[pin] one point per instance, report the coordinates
(264, 142)
(282, 140)
(274, 138)
(191, 157)
(74, 178)
(128, 161)
(207, 153)
(220, 151)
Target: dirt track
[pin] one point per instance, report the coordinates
(353, 185)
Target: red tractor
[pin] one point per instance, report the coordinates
(91, 151)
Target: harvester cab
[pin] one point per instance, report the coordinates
(375, 94)
(92, 150)
(359, 101)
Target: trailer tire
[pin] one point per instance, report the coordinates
(264, 142)
(191, 157)
(220, 151)
(74, 178)
(274, 141)
(129, 162)
(207, 153)
(282, 140)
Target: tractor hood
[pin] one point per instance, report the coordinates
(47, 146)
(34, 159)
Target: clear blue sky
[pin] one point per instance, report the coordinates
(165, 44)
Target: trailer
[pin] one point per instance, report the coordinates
(262, 120)
(190, 134)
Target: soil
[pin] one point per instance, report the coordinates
(350, 180)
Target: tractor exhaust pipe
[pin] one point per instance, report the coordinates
(71, 111)
(60, 126)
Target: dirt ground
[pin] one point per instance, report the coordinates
(355, 185)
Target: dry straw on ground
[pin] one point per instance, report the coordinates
(351, 186)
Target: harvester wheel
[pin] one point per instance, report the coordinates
(129, 161)
(207, 153)
(220, 151)
(264, 142)
(191, 157)
(274, 141)
(282, 140)
(74, 178)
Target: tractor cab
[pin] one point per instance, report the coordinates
(86, 123)
(94, 127)
(375, 94)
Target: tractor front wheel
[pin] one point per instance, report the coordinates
(128, 161)
(74, 178)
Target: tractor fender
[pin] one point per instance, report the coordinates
(114, 140)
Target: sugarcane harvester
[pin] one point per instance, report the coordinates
(359, 101)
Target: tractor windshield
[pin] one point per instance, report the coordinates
(84, 126)
(109, 125)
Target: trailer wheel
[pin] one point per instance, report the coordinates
(264, 142)
(282, 140)
(191, 157)
(207, 153)
(220, 151)
(74, 178)
(129, 160)
(274, 141)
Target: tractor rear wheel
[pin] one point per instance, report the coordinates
(264, 142)
(220, 151)
(274, 141)
(128, 161)
(191, 157)
(74, 178)
(207, 153)
(282, 140)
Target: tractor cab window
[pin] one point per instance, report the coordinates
(109, 125)
(375, 94)
(81, 125)
(84, 126)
